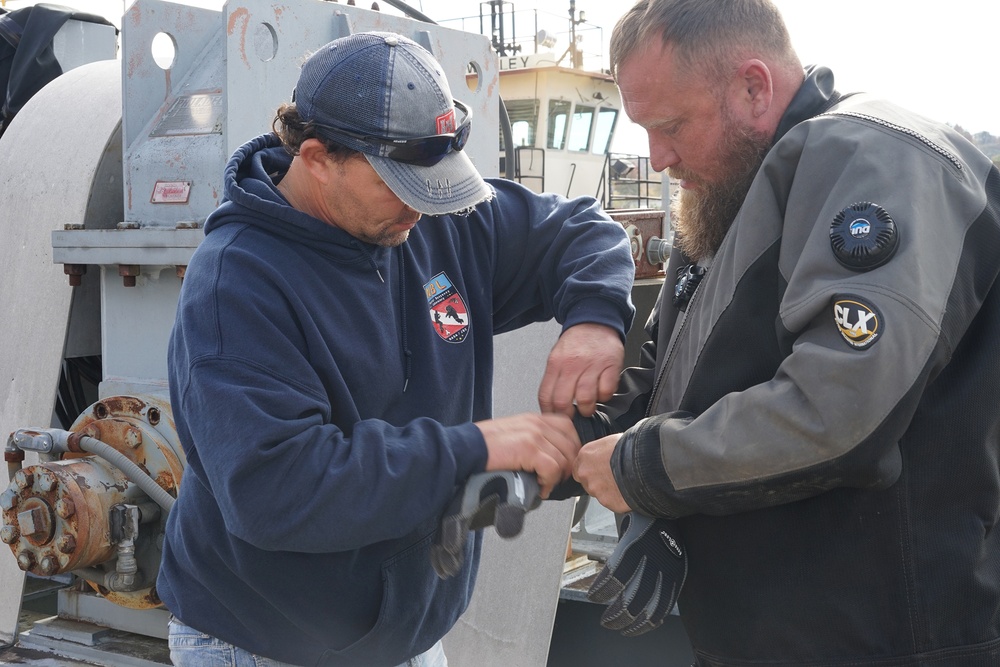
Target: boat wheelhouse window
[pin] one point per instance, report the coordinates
(558, 119)
(579, 130)
(523, 116)
(606, 118)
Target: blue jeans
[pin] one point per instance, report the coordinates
(190, 648)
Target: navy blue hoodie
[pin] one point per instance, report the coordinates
(324, 391)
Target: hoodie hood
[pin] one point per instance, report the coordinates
(251, 197)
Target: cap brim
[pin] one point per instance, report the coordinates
(451, 186)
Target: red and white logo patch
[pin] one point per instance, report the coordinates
(446, 122)
(449, 314)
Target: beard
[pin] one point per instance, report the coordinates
(387, 234)
(703, 216)
(388, 239)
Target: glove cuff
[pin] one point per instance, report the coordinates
(592, 428)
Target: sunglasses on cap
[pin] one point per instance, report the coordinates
(420, 151)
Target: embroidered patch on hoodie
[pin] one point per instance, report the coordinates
(859, 322)
(449, 314)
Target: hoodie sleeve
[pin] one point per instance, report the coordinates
(557, 257)
(258, 414)
(287, 479)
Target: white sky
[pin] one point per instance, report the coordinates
(941, 59)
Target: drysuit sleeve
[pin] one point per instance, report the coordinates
(856, 347)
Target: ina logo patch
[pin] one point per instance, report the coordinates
(449, 314)
(859, 323)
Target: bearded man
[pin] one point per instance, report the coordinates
(815, 412)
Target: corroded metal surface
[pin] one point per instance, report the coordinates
(641, 226)
(57, 514)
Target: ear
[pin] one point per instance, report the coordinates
(315, 159)
(756, 87)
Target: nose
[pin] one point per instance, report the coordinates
(661, 153)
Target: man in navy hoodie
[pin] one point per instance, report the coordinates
(332, 359)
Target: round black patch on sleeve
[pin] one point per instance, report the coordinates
(863, 236)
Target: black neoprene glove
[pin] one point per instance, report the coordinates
(498, 499)
(642, 579)
(588, 429)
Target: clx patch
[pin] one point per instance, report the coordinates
(449, 314)
(863, 236)
(860, 323)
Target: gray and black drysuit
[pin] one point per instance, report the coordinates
(825, 420)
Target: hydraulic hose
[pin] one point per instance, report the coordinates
(50, 440)
(131, 470)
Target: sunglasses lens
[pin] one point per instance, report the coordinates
(428, 151)
(425, 152)
(462, 136)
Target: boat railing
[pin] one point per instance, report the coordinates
(529, 167)
(627, 181)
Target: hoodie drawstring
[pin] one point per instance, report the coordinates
(407, 355)
(371, 260)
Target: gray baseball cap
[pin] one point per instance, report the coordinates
(385, 95)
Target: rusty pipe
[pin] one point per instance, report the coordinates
(48, 440)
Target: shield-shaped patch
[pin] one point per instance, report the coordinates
(449, 314)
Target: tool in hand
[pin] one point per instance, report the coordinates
(498, 499)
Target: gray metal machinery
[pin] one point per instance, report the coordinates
(110, 172)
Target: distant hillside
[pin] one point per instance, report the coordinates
(986, 142)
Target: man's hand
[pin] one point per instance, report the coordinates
(593, 471)
(545, 445)
(582, 368)
(642, 579)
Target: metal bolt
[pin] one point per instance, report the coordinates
(65, 508)
(66, 544)
(9, 534)
(45, 482)
(23, 479)
(153, 416)
(128, 272)
(25, 560)
(49, 565)
(34, 521)
(75, 273)
(133, 437)
(8, 500)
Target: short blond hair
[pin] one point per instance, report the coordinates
(709, 37)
